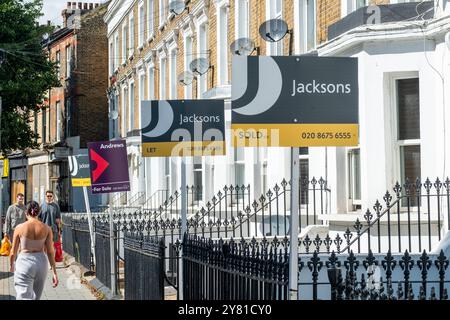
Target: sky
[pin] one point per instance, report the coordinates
(52, 10)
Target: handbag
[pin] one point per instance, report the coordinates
(58, 251)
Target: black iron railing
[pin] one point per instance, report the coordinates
(373, 277)
(144, 267)
(228, 270)
(82, 243)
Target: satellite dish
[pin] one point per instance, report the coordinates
(273, 30)
(186, 78)
(243, 47)
(113, 115)
(177, 6)
(199, 66)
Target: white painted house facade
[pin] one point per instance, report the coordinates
(404, 106)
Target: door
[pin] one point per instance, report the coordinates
(17, 187)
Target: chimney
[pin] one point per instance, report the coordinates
(69, 5)
(80, 5)
(91, 6)
(96, 5)
(48, 23)
(85, 6)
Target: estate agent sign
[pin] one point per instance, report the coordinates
(294, 101)
(172, 128)
(108, 164)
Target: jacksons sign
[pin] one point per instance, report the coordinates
(294, 101)
(172, 128)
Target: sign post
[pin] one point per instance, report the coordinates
(174, 128)
(294, 102)
(79, 171)
(108, 164)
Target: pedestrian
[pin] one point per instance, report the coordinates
(15, 215)
(51, 215)
(31, 267)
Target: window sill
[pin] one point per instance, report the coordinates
(151, 38)
(131, 57)
(141, 47)
(161, 27)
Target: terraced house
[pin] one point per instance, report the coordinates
(76, 112)
(403, 53)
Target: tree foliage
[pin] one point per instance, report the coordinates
(26, 73)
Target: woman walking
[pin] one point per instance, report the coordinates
(31, 267)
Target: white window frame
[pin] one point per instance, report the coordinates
(173, 73)
(162, 14)
(58, 62)
(394, 144)
(242, 15)
(301, 26)
(151, 81)
(187, 61)
(68, 52)
(111, 58)
(58, 121)
(274, 48)
(141, 25)
(124, 43)
(222, 13)
(131, 35)
(116, 51)
(202, 24)
(150, 19)
(402, 143)
(350, 176)
(142, 84)
(348, 6)
(131, 103)
(162, 77)
(124, 112)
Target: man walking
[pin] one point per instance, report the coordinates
(51, 214)
(15, 215)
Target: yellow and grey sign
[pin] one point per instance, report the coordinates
(183, 128)
(294, 101)
(79, 170)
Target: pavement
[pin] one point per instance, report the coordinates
(70, 286)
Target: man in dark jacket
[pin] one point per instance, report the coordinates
(51, 214)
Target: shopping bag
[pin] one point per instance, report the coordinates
(58, 251)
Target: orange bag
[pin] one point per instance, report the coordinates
(6, 246)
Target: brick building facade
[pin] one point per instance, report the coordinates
(77, 111)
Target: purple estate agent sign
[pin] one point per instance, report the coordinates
(109, 166)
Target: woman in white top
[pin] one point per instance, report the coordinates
(31, 267)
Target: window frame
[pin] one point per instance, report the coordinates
(131, 35)
(124, 43)
(131, 102)
(141, 25)
(150, 19)
(238, 16)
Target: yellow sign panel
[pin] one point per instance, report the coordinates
(5, 168)
(294, 135)
(81, 182)
(183, 149)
